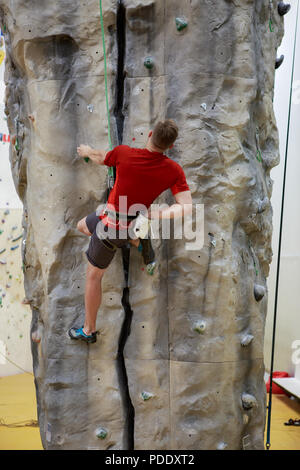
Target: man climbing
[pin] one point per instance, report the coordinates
(142, 174)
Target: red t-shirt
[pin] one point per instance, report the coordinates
(142, 176)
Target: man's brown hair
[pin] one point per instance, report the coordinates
(164, 134)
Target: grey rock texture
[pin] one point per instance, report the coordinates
(190, 373)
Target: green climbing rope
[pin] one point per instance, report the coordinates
(110, 169)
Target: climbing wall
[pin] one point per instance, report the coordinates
(179, 362)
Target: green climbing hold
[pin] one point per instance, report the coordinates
(17, 146)
(181, 23)
(146, 396)
(149, 63)
(151, 268)
(258, 155)
(271, 25)
(86, 159)
(2, 251)
(101, 433)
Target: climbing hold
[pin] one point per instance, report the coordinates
(199, 326)
(259, 292)
(245, 419)
(283, 8)
(248, 401)
(203, 106)
(86, 159)
(90, 108)
(25, 301)
(181, 23)
(2, 251)
(17, 146)
(14, 247)
(17, 238)
(146, 396)
(36, 336)
(31, 117)
(6, 212)
(263, 204)
(246, 442)
(258, 155)
(222, 446)
(101, 433)
(149, 63)
(279, 61)
(2, 261)
(14, 227)
(246, 340)
(151, 268)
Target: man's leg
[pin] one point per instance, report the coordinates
(83, 228)
(93, 296)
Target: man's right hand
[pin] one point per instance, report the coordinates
(84, 150)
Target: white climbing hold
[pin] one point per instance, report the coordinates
(222, 446)
(204, 106)
(90, 108)
(259, 292)
(246, 339)
(248, 401)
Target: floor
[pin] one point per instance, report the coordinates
(19, 430)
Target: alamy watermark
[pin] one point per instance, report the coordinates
(189, 227)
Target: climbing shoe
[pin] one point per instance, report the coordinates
(78, 333)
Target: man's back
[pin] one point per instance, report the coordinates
(143, 175)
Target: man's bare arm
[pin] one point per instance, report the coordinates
(97, 156)
(182, 207)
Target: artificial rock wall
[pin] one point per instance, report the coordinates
(179, 362)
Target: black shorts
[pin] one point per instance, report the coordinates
(101, 251)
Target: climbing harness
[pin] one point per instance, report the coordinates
(269, 407)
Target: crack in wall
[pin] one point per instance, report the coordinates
(125, 330)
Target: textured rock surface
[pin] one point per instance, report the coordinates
(175, 386)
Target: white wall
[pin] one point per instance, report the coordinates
(288, 308)
(15, 317)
